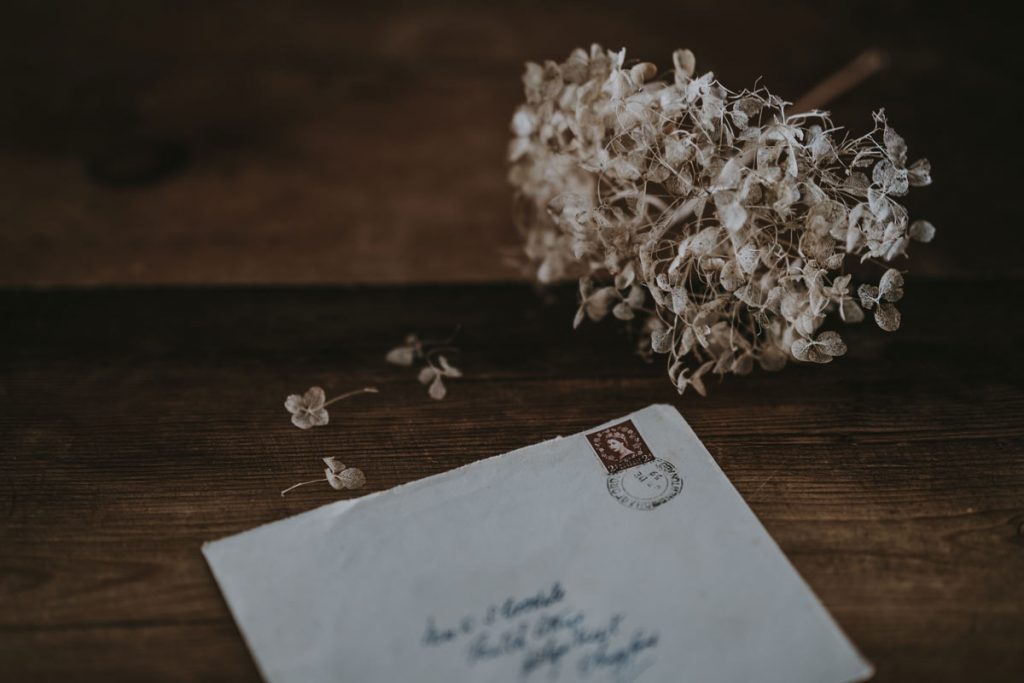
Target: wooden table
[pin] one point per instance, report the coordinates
(308, 142)
(137, 424)
(223, 146)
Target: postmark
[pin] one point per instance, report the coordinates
(620, 447)
(646, 486)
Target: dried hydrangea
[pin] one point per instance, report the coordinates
(337, 474)
(310, 409)
(435, 365)
(718, 219)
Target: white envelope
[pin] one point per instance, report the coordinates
(625, 555)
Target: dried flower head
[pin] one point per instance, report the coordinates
(436, 366)
(434, 373)
(348, 478)
(310, 409)
(406, 353)
(337, 475)
(719, 219)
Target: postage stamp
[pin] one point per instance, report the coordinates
(620, 447)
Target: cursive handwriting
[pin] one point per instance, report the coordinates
(544, 631)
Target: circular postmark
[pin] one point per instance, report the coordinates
(646, 486)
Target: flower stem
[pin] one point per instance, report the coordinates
(443, 342)
(439, 350)
(866, 64)
(303, 483)
(364, 390)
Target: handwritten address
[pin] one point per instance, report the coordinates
(546, 633)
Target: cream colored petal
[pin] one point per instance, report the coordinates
(293, 403)
(302, 420)
(314, 398)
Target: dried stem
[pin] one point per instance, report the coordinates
(303, 483)
(364, 390)
(865, 65)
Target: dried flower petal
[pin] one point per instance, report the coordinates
(427, 374)
(920, 173)
(831, 343)
(850, 312)
(895, 146)
(772, 359)
(801, 349)
(730, 210)
(732, 276)
(748, 258)
(888, 317)
(684, 62)
(890, 287)
(333, 464)
(636, 298)
(401, 355)
(437, 389)
(661, 340)
(447, 369)
(868, 296)
(334, 479)
(407, 352)
(352, 478)
(922, 231)
(622, 311)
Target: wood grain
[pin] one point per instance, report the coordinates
(310, 142)
(137, 424)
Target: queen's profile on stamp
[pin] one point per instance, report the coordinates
(620, 447)
(617, 446)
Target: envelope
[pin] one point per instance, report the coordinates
(616, 555)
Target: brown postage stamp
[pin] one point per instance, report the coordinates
(620, 447)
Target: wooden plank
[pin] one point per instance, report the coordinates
(309, 143)
(136, 424)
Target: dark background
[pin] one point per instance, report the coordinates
(241, 142)
(333, 165)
